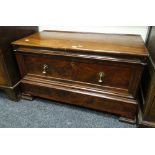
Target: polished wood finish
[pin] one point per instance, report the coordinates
(9, 74)
(147, 93)
(98, 71)
(94, 42)
(2, 71)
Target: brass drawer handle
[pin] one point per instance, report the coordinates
(101, 76)
(45, 67)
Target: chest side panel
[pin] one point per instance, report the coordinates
(3, 80)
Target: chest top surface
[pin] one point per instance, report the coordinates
(82, 41)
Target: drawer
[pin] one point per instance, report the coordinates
(123, 107)
(101, 73)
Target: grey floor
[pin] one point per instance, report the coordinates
(41, 113)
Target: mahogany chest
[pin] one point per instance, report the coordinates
(97, 71)
(9, 74)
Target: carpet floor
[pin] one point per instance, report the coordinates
(41, 113)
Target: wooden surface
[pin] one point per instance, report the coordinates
(2, 71)
(94, 42)
(9, 74)
(88, 98)
(118, 76)
(150, 44)
(72, 76)
(142, 123)
(148, 86)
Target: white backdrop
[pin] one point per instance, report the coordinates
(142, 30)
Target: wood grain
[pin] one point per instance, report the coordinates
(94, 42)
(147, 93)
(74, 62)
(9, 74)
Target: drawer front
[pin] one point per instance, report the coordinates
(94, 72)
(102, 103)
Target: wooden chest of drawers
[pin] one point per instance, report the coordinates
(98, 71)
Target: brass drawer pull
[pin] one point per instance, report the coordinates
(45, 67)
(101, 76)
